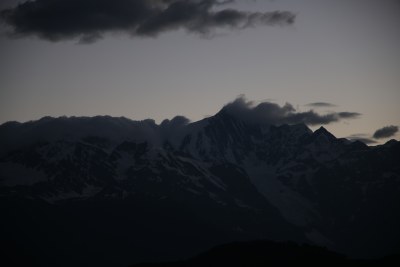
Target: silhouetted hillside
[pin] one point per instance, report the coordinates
(265, 253)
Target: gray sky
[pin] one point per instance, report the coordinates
(343, 52)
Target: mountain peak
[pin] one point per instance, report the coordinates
(323, 133)
(222, 113)
(391, 142)
(226, 116)
(322, 129)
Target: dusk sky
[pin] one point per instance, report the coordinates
(331, 56)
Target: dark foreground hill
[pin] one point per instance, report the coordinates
(269, 253)
(106, 191)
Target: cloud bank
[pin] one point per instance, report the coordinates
(271, 113)
(88, 20)
(362, 138)
(386, 132)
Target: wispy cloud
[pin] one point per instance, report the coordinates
(321, 105)
(362, 138)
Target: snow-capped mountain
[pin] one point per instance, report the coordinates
(138, 191)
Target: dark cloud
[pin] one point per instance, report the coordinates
(271, 113)
(321, 105)
(362, 138)
(386, 132)
(88, 20)
(348, 115)
(176, 122)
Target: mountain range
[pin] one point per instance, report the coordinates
(108, 191)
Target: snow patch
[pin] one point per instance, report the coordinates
(241, 204)
(13, 174)
(216, 199)
(87, 192)
(293, 207)
(193, 191)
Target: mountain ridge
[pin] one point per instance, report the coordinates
(223, 177)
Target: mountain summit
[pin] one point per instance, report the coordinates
(112, 191)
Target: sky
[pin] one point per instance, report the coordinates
(330, 56)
